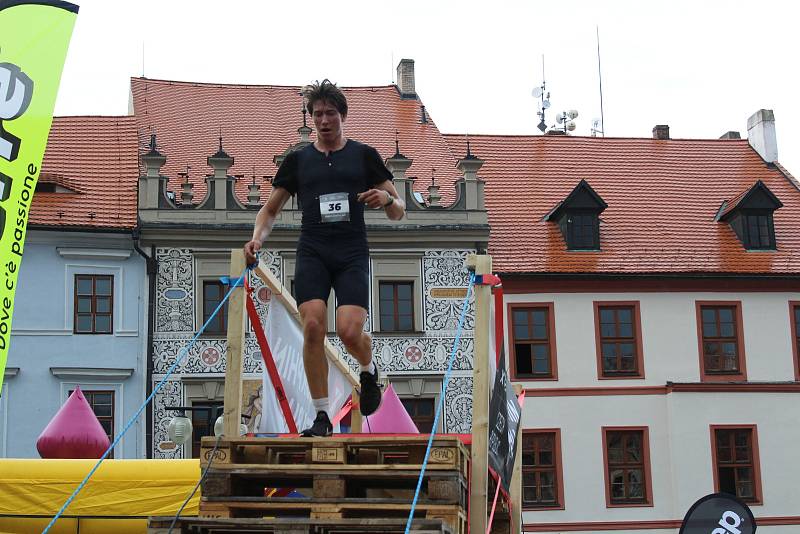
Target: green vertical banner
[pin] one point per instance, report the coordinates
(34, 36)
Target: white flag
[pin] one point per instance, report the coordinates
(285, 338)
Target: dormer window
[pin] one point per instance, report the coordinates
(582, 231)
(55, 183)
(578, 218)
(750, 216)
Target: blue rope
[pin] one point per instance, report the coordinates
(180, 357)
(441, 400)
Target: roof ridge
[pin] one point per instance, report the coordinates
(614, 138)
(125, 116)
(253, 85)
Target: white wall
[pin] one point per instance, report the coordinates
(669, 336)
(678, 422)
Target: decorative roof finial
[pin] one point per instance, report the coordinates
(153, 145)
(305, 111)
(433, 176)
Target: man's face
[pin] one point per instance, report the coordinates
(327, 120)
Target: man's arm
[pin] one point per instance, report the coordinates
(385, 196)
(264, 221)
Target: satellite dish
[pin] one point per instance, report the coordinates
(572, 114)
(595, 123)
(545, 104)
(570, 126)
(560, 119)
(537, 92)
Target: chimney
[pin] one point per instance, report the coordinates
(761, 134)
(661, 131)
(405, 78)
(731, 135)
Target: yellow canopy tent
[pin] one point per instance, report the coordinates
(118, 497)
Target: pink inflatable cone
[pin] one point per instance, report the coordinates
(391, 417)
(74, 432)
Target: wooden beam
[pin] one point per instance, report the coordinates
(232, 411)
(481, 264)
(282, 294)
(356, 421)
(516, 478)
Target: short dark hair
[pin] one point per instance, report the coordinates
(325, 91)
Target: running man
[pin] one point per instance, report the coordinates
(333, 178)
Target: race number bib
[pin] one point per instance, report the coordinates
(334, 207)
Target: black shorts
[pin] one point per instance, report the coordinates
(325, 263)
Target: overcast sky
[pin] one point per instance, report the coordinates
(702, 67)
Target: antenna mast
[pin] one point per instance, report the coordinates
(600, 78)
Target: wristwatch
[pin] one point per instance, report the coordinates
(391, 200)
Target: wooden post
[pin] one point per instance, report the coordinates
(481, 264)
(516, 478)
(232, 412)
(355, 414)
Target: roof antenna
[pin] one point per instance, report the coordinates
(392, 67)
(541, 92)
(143, 59)
(601, 126)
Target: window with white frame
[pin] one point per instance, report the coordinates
(397, 293)
(210, 291)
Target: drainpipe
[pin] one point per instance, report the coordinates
(152, 270)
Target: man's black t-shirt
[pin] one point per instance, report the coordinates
(310, 174)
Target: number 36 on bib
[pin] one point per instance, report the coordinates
(334, 207)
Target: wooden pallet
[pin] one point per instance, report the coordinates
(324, 509)
(336, 481)
(194, 525)
(393, 453)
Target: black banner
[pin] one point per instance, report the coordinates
(719, 513)
(504, 416)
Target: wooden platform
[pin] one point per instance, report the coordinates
(160, 525)
(354, 477)
(390, 453)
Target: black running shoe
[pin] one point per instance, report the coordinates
(370, 392)
(321, 428)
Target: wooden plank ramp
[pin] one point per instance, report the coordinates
(194, 525)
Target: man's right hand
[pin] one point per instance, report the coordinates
(251, 248)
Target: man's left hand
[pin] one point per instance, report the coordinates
(374, 198)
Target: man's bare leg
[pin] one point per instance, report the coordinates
(314, 314)
(350, 329)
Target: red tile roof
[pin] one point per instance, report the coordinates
(97, 158)
(259, 122)
(662, 198)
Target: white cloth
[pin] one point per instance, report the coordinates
(285, 338)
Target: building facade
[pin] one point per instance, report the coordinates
(201, 185)
(80, 317)
(651, 290)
